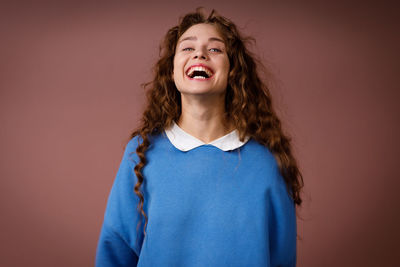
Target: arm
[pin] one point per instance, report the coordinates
(119, 243)
(282, 225)
(112, 250)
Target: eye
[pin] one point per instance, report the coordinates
(187, 49)
(216, 50)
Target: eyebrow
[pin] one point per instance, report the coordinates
(194, 38)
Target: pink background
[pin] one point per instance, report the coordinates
(70, 75)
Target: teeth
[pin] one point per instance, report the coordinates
(199, 68)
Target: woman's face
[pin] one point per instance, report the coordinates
(201, 64)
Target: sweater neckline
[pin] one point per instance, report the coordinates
(185, 141)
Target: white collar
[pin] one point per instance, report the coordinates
(185, 142)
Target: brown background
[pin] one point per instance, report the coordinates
(70, 75)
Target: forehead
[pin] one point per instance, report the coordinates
(201, 31)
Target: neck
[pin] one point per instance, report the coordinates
(204, 118)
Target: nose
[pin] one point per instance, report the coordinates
(200, 54)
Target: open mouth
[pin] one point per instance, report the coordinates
(199, 72)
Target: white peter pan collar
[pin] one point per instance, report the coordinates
(185, 142)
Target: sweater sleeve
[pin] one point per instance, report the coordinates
(282, 225)
(120, 242)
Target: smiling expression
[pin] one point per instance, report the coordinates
(201, 64)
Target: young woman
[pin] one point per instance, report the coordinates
(208, 178)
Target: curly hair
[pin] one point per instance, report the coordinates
(247, 101)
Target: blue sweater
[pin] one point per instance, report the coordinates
(205, 207)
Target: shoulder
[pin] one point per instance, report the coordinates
(259, 159)
(130, 150)
(259, 153)
(133, 143)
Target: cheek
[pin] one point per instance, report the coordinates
(176, 74)
(225, 65)
(226, 69)
(175, 70)
(173, 66)
(177, 67)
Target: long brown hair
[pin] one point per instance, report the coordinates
(247, 102)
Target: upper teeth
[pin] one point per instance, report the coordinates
(199, 68)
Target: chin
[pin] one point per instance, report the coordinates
(202, 91)
(199, 88)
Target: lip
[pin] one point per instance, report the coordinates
(199, 65)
